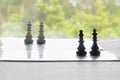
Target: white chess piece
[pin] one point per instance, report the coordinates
(1, 52)
(0, 44)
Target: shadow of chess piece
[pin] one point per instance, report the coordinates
(40, 39)
(28, 36)
(40, 50)
(29, 50)
(95, 57)
(95, 49)
(81, 49)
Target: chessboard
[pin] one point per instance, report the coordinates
(54, 50)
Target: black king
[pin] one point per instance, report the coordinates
(95, 49)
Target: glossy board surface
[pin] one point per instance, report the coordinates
(14, 49)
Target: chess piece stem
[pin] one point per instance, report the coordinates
(41, 36)
(81, 49)
(95, 49)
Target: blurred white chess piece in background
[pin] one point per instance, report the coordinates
(1, 49)
(0, 44)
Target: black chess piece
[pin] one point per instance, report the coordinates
(41, 35)
(95, 49)
(81, 49)
(28, 36)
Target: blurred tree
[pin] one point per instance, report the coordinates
(62, 18)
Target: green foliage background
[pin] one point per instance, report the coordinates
(62, 19)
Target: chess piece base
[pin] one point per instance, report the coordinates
(28, 41)
(40, 41)
(95, 53)
(81, 53)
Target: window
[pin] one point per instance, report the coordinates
(61, 18)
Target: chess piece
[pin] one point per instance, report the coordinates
(81, 49)
(95, 49)
(1, 52)
(41, 36)
(28, 36)
(1, 43)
